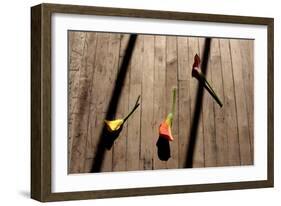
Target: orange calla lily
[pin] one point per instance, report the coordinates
(197, 73)
(165, 129)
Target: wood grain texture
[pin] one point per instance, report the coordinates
(208, 119)
(120, 148)
(157, 65)
(159, 100)
(172, 83)
(221, 137)
(231, 124)
(241, 106)
(184, 79)
(134, 125)
(199, 153)
(146, 151)
(247, 54)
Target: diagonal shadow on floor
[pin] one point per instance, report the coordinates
(198, 107)
(113, 103)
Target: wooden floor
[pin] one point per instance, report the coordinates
(223, 137)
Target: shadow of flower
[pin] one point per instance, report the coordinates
(109, 137)
(163, 149)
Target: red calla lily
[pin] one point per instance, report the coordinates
(197, 73)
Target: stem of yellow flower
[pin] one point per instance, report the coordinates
(137, 100)
(134, 108)
(132, 111)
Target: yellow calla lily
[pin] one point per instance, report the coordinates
(114, 125)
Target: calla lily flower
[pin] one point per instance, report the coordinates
(165, 129)
(117, 124)
(114, 125)
(197, 73)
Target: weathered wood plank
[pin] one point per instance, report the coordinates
(112, 65)
(88, 163)
(219, 112)
(184, 77)
(231, 125)
(81, 118)
(184, 71)
(241, 107)
(76, 41)
(73, 85)
(106, 66)
(247, 48)
(76, 49)
(147, 106)
(210, 150)
(252, 105)
(198, 157)
(119, 147)
(97, 113)
(133, 139)
(171, 83)
(159, 100)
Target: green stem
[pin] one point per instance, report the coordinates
(206, 81)
(213, 94)
(171, 114)
(211, 91)
(132, 111)
(174, 101)
(137, 100)
(135, 107)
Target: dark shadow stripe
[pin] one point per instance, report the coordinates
(113, 104)
(198, 107)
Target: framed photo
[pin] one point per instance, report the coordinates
(135, 102)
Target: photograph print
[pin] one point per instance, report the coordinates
(149, 102)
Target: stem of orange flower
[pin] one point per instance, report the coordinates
(171, 114)
(174, 101)
(132, 111)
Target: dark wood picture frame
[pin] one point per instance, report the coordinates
(41, 101)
